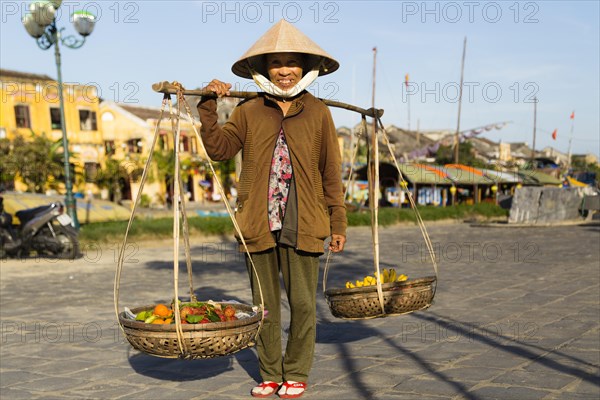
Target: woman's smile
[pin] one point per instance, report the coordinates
(285, 69)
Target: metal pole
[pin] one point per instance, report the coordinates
(407, 107)
(462, 70)
(70, 201)
(535, 101)
(570, 140)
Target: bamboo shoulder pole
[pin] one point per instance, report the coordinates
(170, 88)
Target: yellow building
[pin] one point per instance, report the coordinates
(128, 132)
(30, 104)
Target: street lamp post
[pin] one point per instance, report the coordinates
(41, 25)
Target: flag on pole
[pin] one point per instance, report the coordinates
(554, 134)
(573, 115)
(406, 80)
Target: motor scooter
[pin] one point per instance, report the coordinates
(46, 230)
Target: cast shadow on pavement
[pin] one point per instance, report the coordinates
(189, 370)
(207, 257)
(515, 347)
(198, 266)
(172, 369)
(341, 334)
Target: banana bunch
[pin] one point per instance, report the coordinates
(387, 276)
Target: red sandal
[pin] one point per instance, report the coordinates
(296, 388)
(265, 389)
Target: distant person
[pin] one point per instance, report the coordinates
(290, 196)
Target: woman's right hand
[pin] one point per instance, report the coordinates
(219, 88)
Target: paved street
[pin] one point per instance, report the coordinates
(516, 316)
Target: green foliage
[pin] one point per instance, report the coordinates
(7, 165)
(162, 228)
(148, 228)
(165, 163)
(165, 167)
(391, 216)
(110, 176)
(145, 200)
(580, 165)
(466, 155)
(38, 162)
(226, 169)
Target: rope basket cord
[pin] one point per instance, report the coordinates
(384, 299)
(173, 341)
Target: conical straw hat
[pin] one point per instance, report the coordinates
(283, 37)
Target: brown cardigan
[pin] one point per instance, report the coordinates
(310, 133)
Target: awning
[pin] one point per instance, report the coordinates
(465, 175)
(575, 183)
(502, 177)
(424, 174)
(538, 178)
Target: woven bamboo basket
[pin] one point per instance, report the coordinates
(199, 340)
(398, 298)
(185, 341)
(382, 299)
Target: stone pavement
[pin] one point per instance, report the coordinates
(516, 316)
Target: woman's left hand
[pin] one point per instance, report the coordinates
(337, 243)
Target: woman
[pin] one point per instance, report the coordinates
(290, 196)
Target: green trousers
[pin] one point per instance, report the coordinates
(300, 273)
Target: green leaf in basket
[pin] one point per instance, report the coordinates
(143, 315)
(197, 304)
(194, 319)
(213, 317)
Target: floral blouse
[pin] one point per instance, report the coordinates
(280, 179)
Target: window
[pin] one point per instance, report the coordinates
(22, 116)
(87, 120)
(134, 146)
(91, 172)
(193, 145)
(163, 141)
(55, 120)
(184, 143)
(109, 147)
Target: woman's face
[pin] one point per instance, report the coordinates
(285, 69)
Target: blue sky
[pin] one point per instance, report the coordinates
(515, 51)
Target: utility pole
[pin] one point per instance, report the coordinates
(462, 70)
(407, 101)
(535, 101)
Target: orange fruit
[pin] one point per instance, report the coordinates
(168, 320)
(158, 321)
(162, 311)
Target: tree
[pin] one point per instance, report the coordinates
(580, 164)
(37, 162)
(110, 178)
(164, 160)
(7, 165)
(466, 155)
(226, 169)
